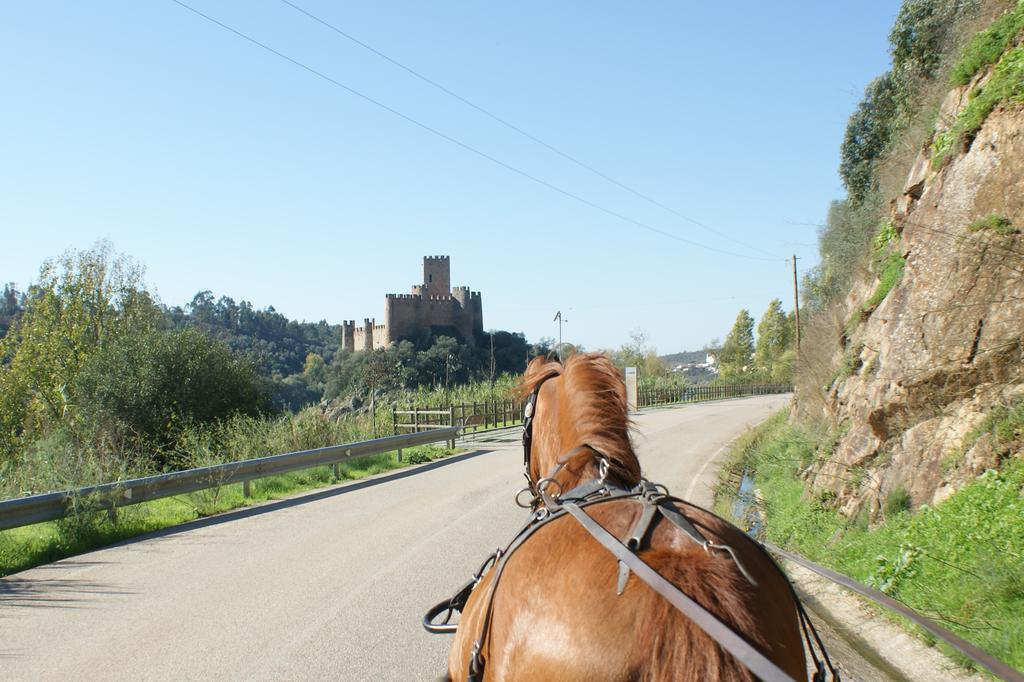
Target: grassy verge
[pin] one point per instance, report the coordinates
(22, 548)
(960, 562)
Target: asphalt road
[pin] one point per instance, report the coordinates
(330, 584)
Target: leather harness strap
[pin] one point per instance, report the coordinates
(724, 635)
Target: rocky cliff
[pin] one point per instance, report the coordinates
(921, 368)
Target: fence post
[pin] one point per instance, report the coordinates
(451, 422)
(416, 419)
(337, 474)
(245, 489)
(394, 419)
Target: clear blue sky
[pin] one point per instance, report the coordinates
(220, 166)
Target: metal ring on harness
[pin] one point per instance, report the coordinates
(542, 486)
(528, 505)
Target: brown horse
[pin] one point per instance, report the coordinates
(556, 614)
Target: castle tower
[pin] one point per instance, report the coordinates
(348, 335)
(436, 276)
(367, 334)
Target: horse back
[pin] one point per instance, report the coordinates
(557, 613)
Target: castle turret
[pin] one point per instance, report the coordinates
(436, 276)
(476, 310)
(368, 333)
(348, 335)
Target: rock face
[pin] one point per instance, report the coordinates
(945, 345)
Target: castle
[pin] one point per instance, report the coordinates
(433, 306)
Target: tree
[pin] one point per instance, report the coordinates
(83, 301)
(774, 337)
(639, 353)
(315, 369)
(738, 348)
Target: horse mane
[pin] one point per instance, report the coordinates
(593, 408)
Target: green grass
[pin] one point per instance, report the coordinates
(960, 562)
(889, 276)
(996, 223)
(987, 46)
(23, 548)
(1005, 85)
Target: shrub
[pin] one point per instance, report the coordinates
(897, 501)
(996, 223)
(154, 384)
(987, 46)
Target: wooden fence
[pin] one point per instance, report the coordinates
(469, 417)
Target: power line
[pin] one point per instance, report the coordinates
(524, 133)
(464, 145)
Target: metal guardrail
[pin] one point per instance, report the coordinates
(982, 658)
(23, 511)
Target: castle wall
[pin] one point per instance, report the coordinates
(432, 304)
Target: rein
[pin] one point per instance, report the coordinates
(656, 504)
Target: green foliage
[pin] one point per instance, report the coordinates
(12, 302)
(959, 560)
(887, 235)
(988, 46)
(775, 336)
(897, 501)
(867, 137)
(1003, 425)
(850, 362)
(443, 363)
(639, 353)
(154, 384)
(996, 223)
(276, 346)
(921, 35)
(844, 243)
(315, 369)
(1005, 85)
(890, 275)
(82, 301)
(736, 357)
(890, 573)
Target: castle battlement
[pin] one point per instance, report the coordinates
(434, 303)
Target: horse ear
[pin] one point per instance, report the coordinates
(538, 371)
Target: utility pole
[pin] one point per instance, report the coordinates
(559, 319)
(796, 305)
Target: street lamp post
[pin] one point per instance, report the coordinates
(559, 319)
